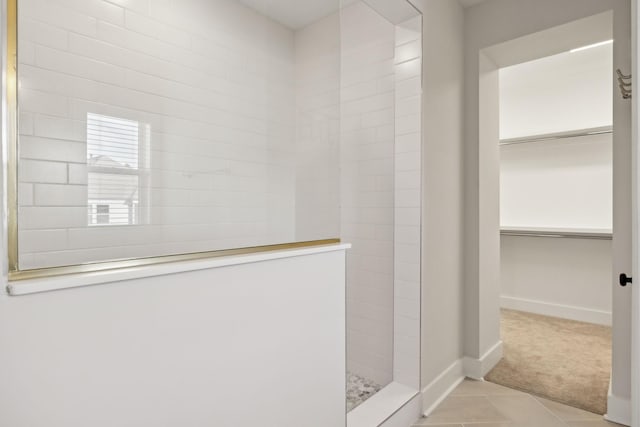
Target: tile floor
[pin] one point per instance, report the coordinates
(484, 404)
(359, 389)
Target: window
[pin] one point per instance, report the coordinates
(114, 168)
(102, 214)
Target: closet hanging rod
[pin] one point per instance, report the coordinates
(557, 234)
(558, 135)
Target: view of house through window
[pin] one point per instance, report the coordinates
(114, 167)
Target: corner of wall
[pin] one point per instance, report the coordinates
(478, 368)
(467, 367)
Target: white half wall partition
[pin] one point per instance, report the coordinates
(228, 345)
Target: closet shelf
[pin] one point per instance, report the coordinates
(575, 233)
(558, 135)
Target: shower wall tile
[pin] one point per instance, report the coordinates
(42, 171)
(408, 200)
(367, 185)
(212, 87)
(317, 59)
(45, 34)
(60, 195)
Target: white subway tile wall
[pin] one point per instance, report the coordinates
(367, 188)
(213, 88)
(250, 133)
(408, 202)
(317, 53)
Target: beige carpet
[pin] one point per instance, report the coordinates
(561, 360)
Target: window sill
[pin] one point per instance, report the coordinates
(31, 286)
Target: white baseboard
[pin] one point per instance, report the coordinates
(581, 314)
(438, 389)
(478, 368)
(618, 409)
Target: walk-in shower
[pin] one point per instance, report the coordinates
(152, 130)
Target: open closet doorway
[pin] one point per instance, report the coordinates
(563, 171)
(556, 225)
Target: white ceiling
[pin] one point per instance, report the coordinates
(297, 14)
(294, 14)
(469, 3)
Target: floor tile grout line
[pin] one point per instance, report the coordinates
(597, 416)
(488, 395)
(509, 420)
(531, 397)
(548, 410)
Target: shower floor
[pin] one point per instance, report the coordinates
(359, 389)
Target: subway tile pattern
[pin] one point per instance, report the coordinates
(407, 202)
(381, 199)
(317, 52)
(215, 84)
(367, 188)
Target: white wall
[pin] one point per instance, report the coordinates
(366, 187)
(564, 183)
(442, 233)
(557, 93)
(229, 346)
(561, 277)
(556, 184)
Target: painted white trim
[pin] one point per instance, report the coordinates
(635, 224)
(438, 389)
(380, 407)
(581, 314)
(618, 409)
(24, 287)
(407, 415)
(478, 368)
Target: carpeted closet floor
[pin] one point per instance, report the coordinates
(561, 360)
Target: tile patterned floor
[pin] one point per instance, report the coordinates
(359, 389)
(484, 404)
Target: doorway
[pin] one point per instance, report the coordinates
(565, 38)
(556, 220)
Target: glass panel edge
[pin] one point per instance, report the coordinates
(18, 275)
(11, 133)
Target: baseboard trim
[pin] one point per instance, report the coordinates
(438, 389)
(618, 409)
(478, 368)
(556, 310)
